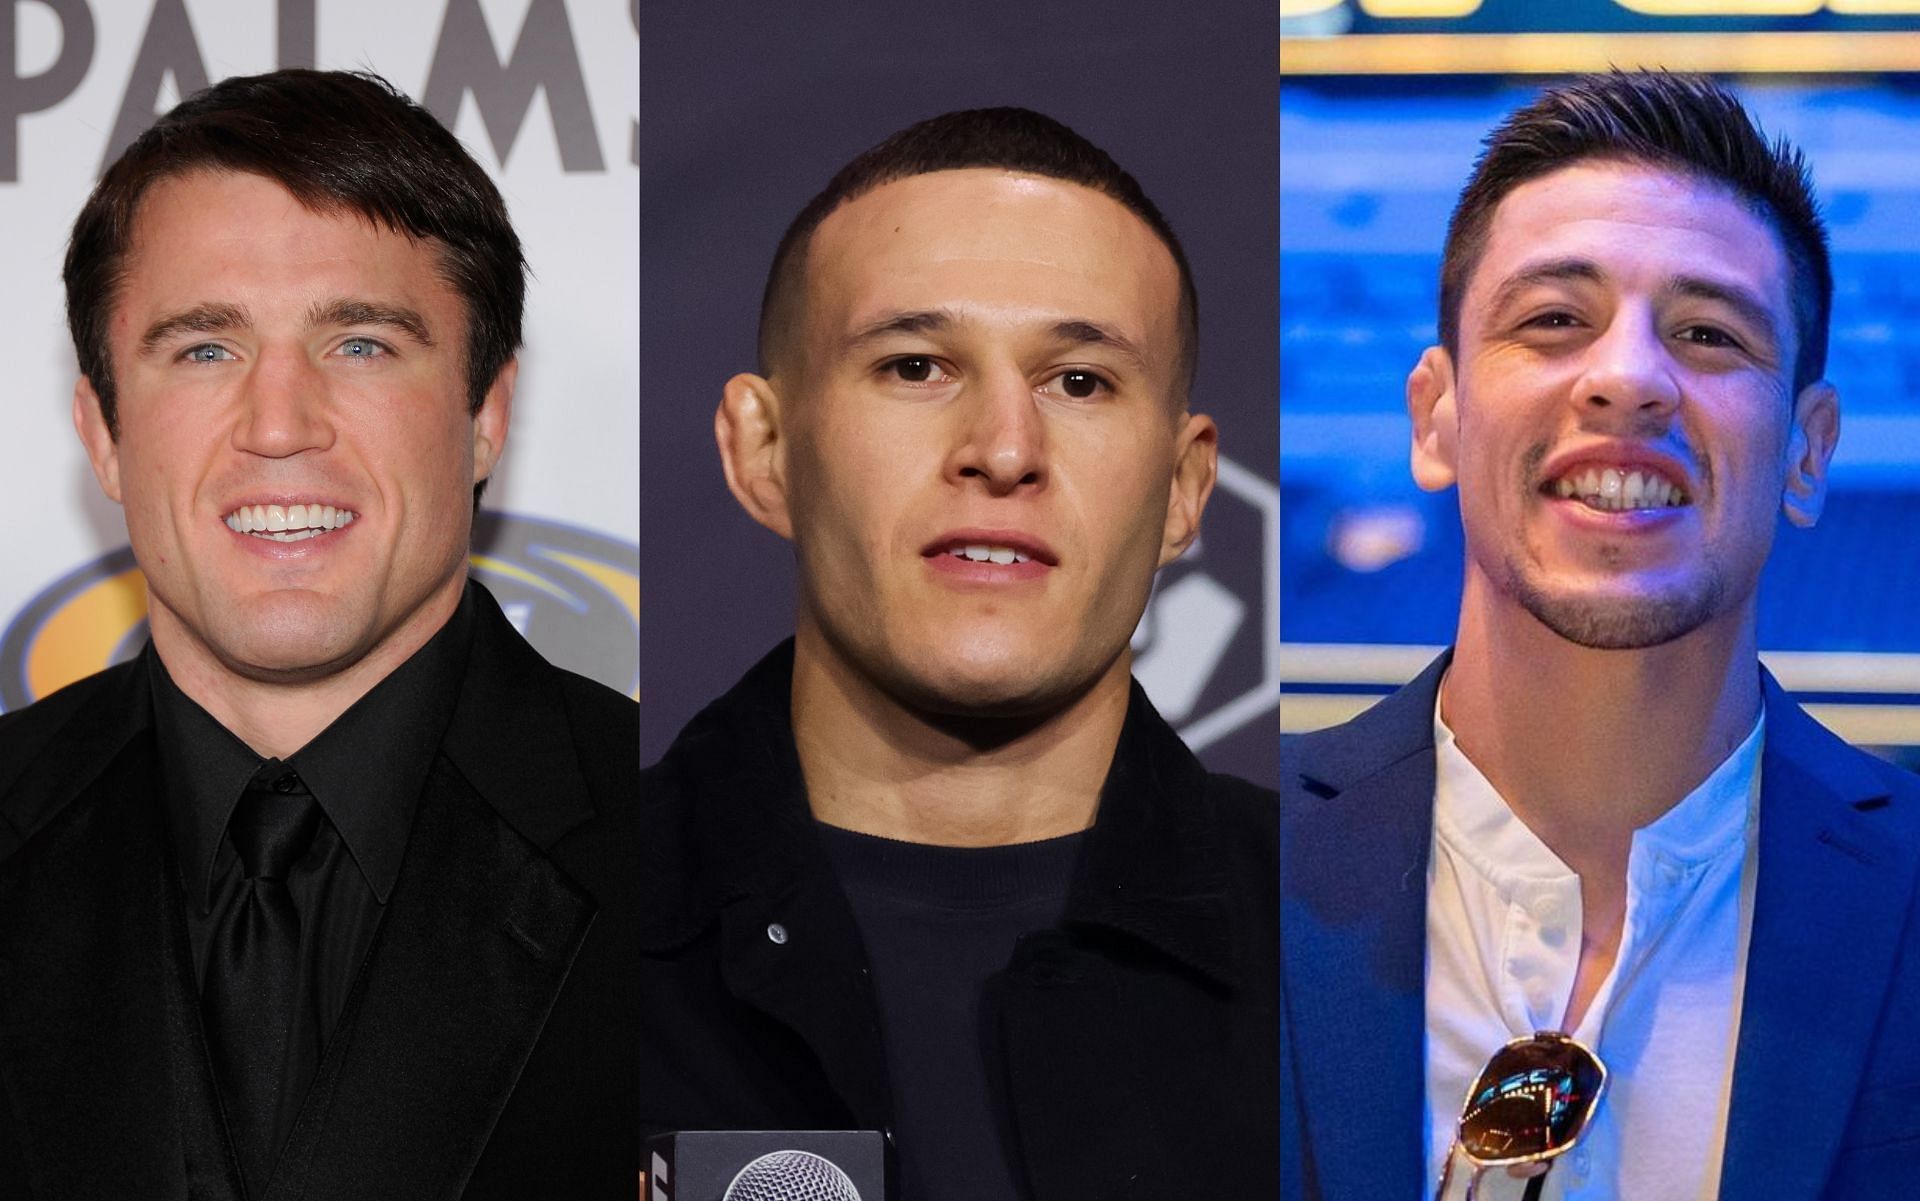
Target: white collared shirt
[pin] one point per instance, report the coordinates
(1503, 944)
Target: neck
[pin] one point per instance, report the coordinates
(276, 715)
(877, 766)
(1587, 746)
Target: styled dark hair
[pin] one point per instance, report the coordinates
(1008, 139)
(339, 142)
(1684, 123)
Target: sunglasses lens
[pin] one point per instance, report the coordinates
(1532, 1100)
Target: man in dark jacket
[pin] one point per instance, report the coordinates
(329, 892)
(936, 866)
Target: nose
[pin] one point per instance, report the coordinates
(1001, 440)
(283, 407)
(1629, 380)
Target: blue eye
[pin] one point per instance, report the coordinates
(361, 348)
(207, 352)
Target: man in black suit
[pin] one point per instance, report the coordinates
(936, 866)
(326, 893)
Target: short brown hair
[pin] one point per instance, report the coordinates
(1007, 139)
(338, 141)
(1684, 123)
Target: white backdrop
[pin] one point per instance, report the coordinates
(543, 92)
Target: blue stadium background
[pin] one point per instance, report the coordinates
(1370, 166)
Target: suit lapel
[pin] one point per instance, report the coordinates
(1829, 906)
(478, 940)
(1355, 833)
(100, 1043)
(479, 935)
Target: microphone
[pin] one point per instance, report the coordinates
(767, 1165)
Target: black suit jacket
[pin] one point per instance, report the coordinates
(487, 1050)
(1132, 1051)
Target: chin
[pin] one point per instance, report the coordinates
(1614, 622)
(998, 686)
(292, 643)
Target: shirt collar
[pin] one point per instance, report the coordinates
(1477, 823)
(366, 769)
(1152, 865)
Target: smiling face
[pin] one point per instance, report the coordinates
(296, 453)
(984, 458)
(1620, 420)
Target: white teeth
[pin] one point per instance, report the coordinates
(1002, 555)
(1613, 490)
(289, 524)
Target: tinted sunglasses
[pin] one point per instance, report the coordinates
(1530, 1104)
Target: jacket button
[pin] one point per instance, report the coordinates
(777, 934)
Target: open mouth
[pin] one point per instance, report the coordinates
(979, 553)
(288, 523)
(1617, 490)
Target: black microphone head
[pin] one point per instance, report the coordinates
(791, 1176)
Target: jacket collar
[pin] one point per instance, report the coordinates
(1151, 870)
(1355, 834)
(512, 735)
(1837, 853)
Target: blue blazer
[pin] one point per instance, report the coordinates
(1826, 1082)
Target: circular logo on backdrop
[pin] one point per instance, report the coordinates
(574, 593)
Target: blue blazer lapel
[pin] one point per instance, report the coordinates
(1836, 868)
(1355, 832)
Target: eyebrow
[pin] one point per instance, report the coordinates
(1074, 331)
(200, 319)
(1552, 271)
(214, 318)
(364, 312)
(1093, 333)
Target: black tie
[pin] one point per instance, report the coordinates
(253, 973)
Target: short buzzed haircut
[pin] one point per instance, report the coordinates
(1683, 123)
(1007, 139)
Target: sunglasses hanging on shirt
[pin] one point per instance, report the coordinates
(1530, 1104)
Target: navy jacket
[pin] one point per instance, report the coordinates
(1826, 1083)
(1134, 1047)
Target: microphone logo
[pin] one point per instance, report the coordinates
(791, 1176)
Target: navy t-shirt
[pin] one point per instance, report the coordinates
(938, 922)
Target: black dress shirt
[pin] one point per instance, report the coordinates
(366, 770)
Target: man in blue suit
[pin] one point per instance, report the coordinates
(1597, 814)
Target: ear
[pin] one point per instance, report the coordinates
(753, 452)
(1436, 419)
(1810, 442)
(1196, 464)
(491, 419)
(103, 451)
